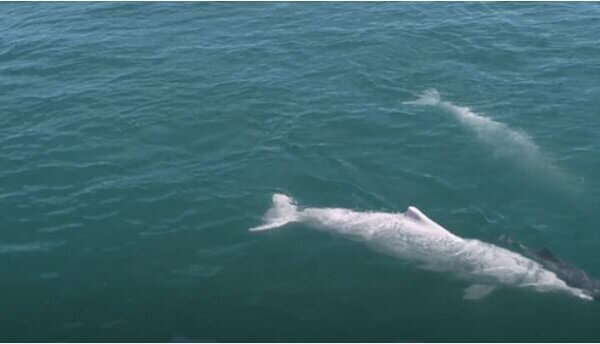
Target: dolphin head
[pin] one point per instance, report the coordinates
(593, 289)
(575, 277)
(569, 273)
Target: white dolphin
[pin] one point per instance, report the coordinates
(413, 236)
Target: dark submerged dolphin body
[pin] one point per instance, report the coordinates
(571, 274)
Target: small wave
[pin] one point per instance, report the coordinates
(202, 271)
(72, 325)
(49, 275)
(38, 246)
(60, 227)
(111, 324)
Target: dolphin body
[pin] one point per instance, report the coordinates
(413, 236)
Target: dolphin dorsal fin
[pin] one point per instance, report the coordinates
(415, 214)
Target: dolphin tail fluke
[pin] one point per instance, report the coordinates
(429, 97)
(282, 211)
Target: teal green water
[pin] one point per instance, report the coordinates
(139, 142)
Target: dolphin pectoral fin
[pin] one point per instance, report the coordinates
(478, 291)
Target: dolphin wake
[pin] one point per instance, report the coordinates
(505, 141)
(414, 237)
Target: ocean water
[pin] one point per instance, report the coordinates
(140, 142)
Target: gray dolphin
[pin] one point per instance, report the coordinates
(571, 274)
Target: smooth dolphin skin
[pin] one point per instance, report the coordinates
(413, 236)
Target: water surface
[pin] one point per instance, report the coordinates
(139, 142)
